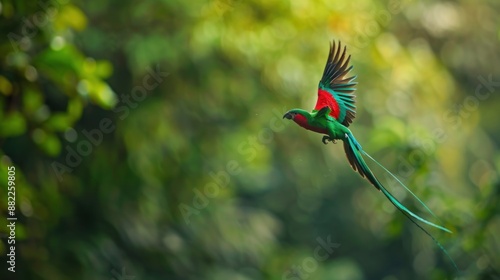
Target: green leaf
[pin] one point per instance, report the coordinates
(32, 100)
(13, 124)
(102, 94)
(48, 142)
(104, 69)
(63, 66)
(75, 108)
(5, 86)
(70, 16)
(58, 122)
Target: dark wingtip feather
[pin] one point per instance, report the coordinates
(336, 68)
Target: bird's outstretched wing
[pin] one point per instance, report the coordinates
(335, 90)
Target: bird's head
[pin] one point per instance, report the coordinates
(297, 115)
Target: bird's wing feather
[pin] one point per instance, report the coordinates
(335, 90)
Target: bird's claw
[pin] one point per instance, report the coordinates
(327, 138)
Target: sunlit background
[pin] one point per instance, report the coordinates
(149, 143)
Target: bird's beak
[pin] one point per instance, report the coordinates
(288, 116)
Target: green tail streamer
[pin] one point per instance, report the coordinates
(356, 148)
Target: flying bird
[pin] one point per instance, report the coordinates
(335, 110)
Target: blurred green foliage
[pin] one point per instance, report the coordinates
(123, 169)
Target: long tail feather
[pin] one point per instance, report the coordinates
(365, 171)
(401, 183)
(425, 231)
(353, 151)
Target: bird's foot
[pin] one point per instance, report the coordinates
(327, 138)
